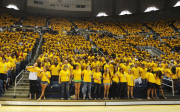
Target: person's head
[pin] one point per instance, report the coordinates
(56, 64)
(121, 70)
(127, 63)
(108, 62)
(35, 64)
(97, 69)
(65, 67)
(3, 59)
(45, 68)
(65, 62)
(135, 65)
(129, 71)
(77, 67)
(143, 66)
(149, 70)
(88, 67)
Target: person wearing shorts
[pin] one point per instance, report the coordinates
(76, 76)
(151, 83)
(107, 83)
(158, 87)
(45, 80)
(130, 83)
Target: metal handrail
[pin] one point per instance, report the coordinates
(37, 51)
(169, 85)
(16, 83)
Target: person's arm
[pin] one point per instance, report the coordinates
(70, 79)
(60, 78)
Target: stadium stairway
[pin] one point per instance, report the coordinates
(22, 89)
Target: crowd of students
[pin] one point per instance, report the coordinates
(15, 53)
(103, 69)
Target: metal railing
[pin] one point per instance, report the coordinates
(171, 86)
(21, 75)
(154, 49)
(37, 51)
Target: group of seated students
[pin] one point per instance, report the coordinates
(34, 21)
(7, 20)
(15, 52)
(85, 69)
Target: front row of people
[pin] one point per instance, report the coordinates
(126, 80)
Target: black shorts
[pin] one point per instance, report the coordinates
(151, 85)
(3, 76)
(158, 86)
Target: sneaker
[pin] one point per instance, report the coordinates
(62, 98)
(69, 99)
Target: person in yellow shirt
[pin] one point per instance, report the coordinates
(174, 76)
(123, 82)
(55, 68)
(158, 87)
(143, 72)
(151, 83)
(97, 83)
(106, 82)
(115, 81)
(135, 72)
(84, 65)
(76, 76)
(130, 83)
(64, 80)
(45, 80)
(3, 71)
(86, 74)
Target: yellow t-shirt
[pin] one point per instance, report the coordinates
(55, 70)
(3, 68)
(143, 73)
(130, 79)
(77, 74)
(168, 72)
(115, 77)
(44, 76)
(107, 78)
(87, 75)
(126, 68)
(135, 72)
(97, 75)
(150, 77)
(64, 75)
(123, 77)
(158, 81)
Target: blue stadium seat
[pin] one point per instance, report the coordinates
(55, 88)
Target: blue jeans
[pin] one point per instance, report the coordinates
(65, 86)
(86, 86)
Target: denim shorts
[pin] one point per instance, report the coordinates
(44, 82)
(107, 83)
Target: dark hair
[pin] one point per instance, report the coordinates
(173, 70)
(107, 61)
(55, 63)
(159, 74)
(3, 58)
(39, 64)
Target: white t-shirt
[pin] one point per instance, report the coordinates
(33, 75)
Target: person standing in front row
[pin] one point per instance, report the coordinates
(107, 83)
(151, 83)
(34, 70)
(64, 80)
(123, 82)
(130, 83)
(86, 74)
(76, 76)
(44, 76)
(97, 83)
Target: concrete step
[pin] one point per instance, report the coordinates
(23, 84)
(18, 92)
(18, 95)
(18, 89)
